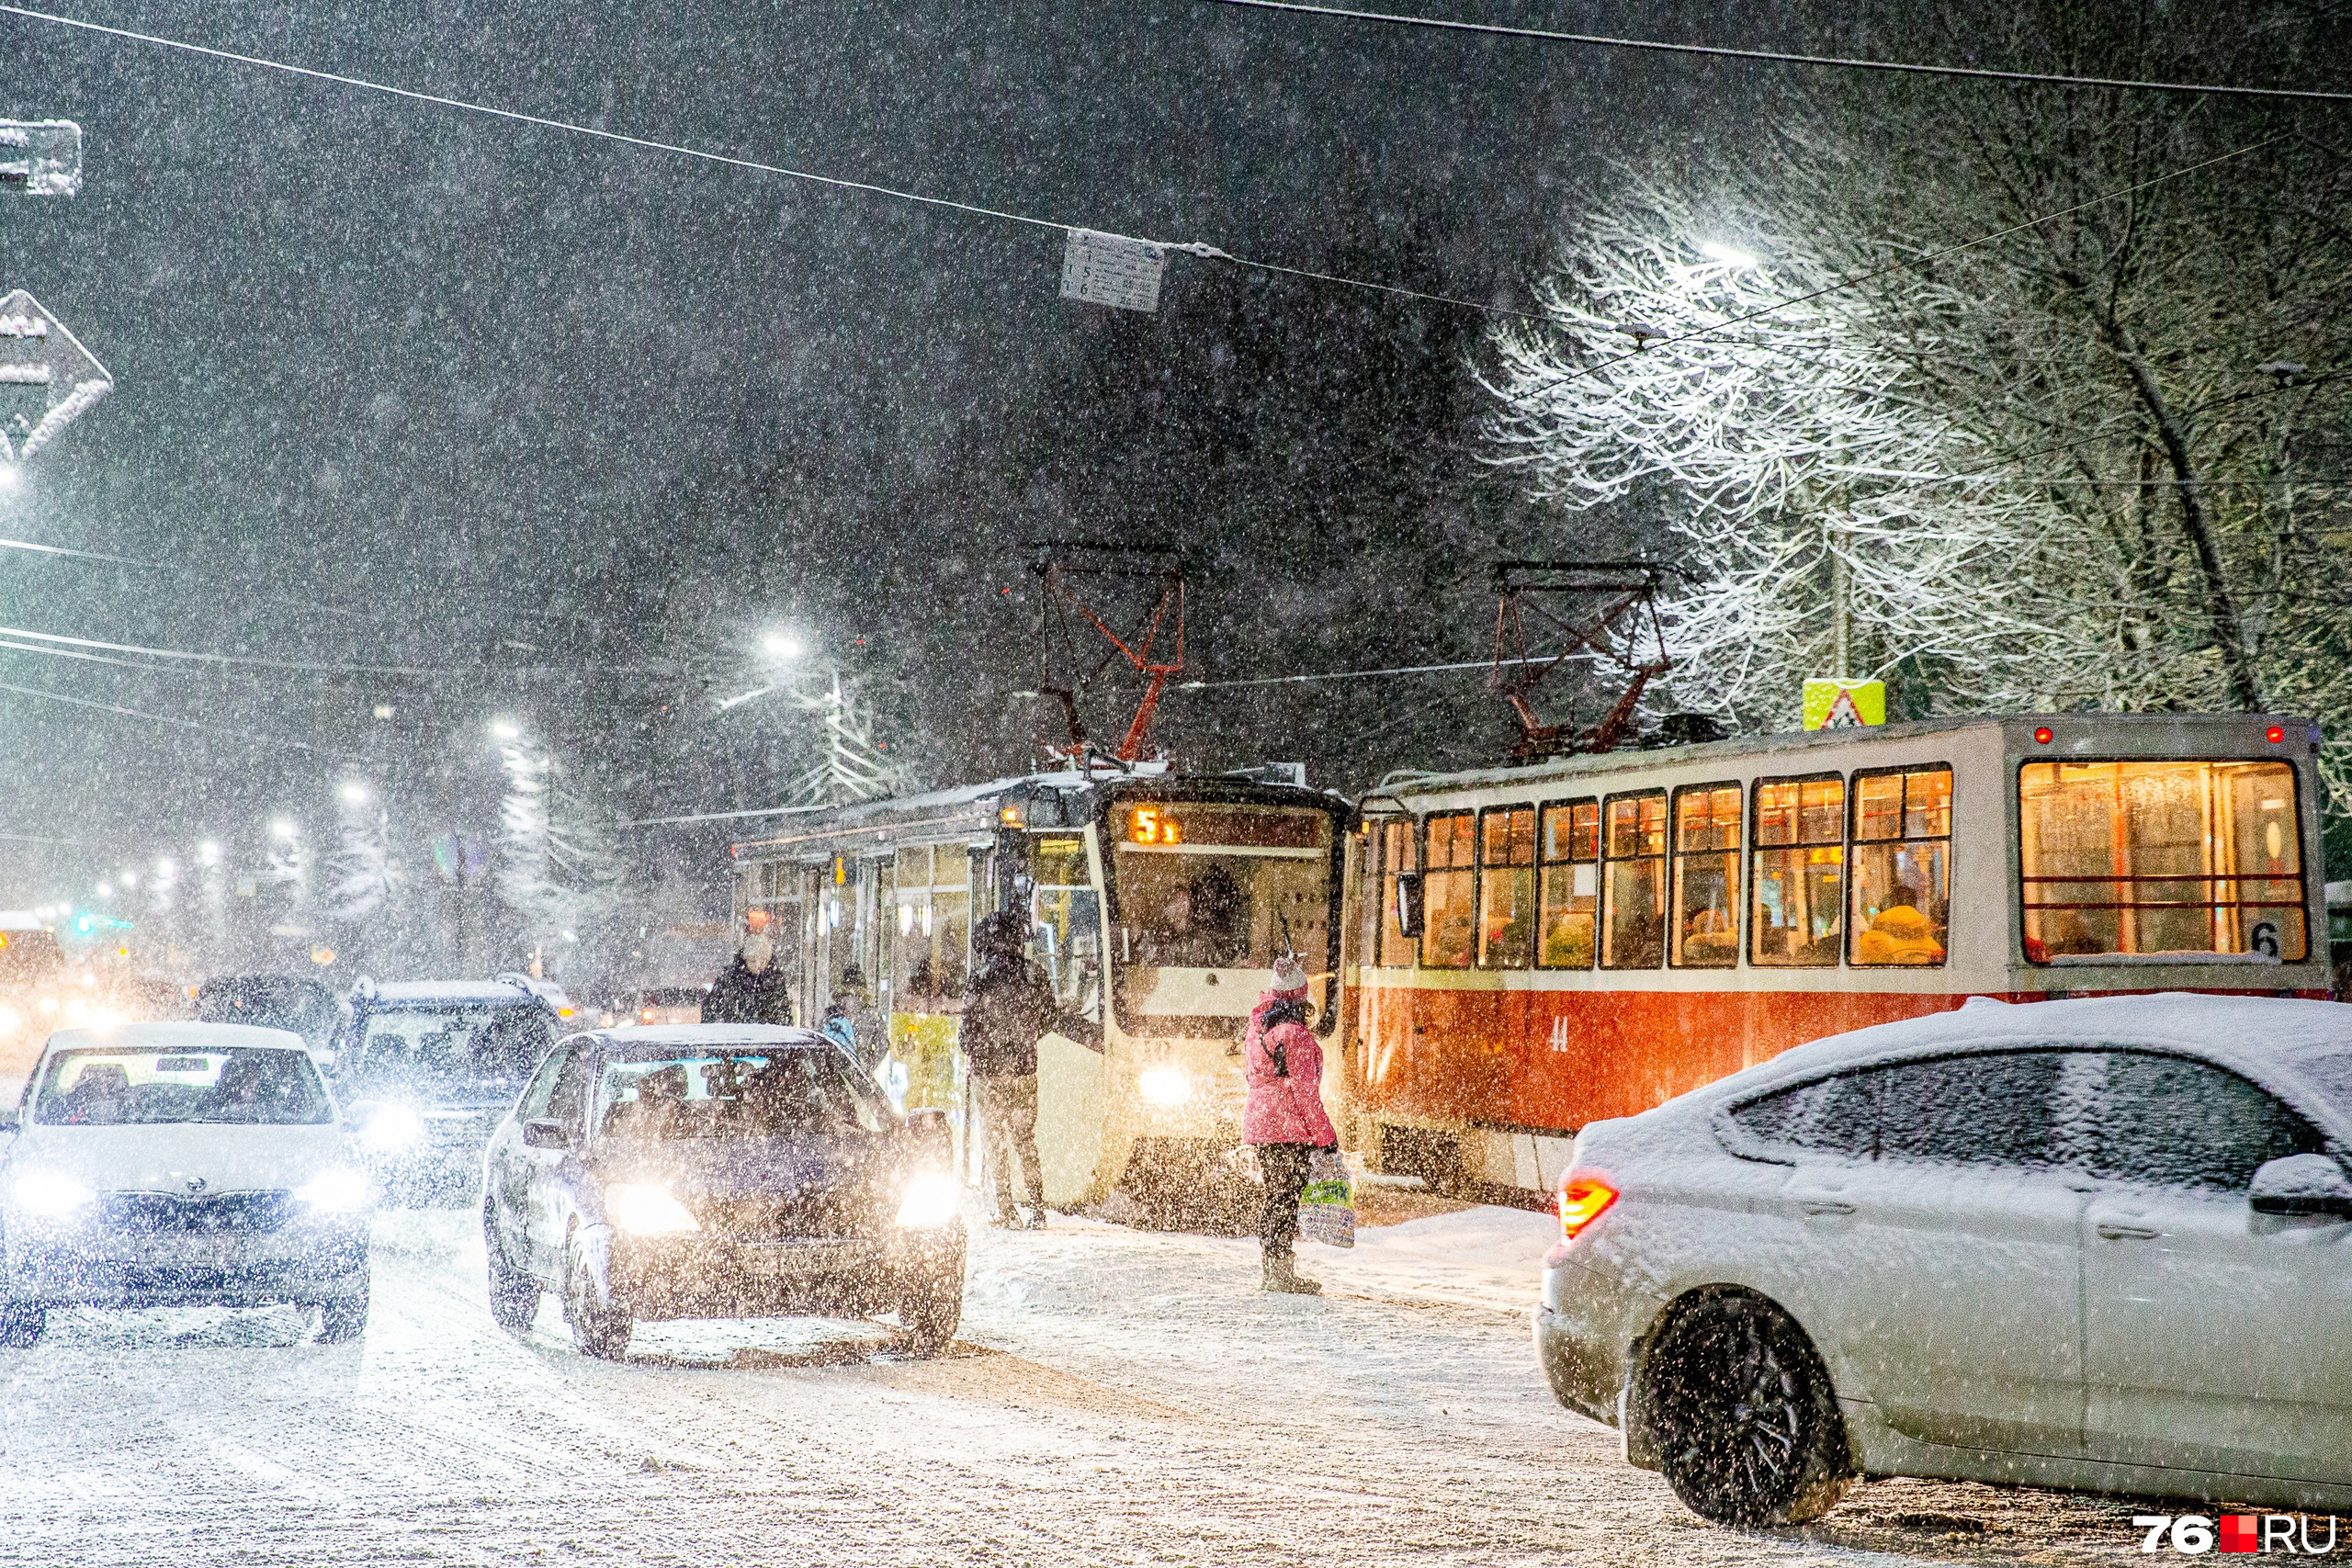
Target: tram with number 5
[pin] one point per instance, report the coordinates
(1532, 948)
(1157, 904)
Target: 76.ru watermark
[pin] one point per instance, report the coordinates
(2193, 1535)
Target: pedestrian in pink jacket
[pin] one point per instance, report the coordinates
(1283, 1117)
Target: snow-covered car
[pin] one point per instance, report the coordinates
(716, 1170)
(2103, 1244)
(429, 1067)
(179, 1165)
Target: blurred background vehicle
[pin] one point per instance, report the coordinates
(427, 1067)
(295, 1003)
(654, 1004)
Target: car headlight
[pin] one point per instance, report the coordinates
(391, 1129)
(49, 1194)
(1166, 1085)
(643, 1209)
(931, 1200)
(337, 1191)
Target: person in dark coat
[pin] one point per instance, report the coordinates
(1009, 1006)
(752, 989)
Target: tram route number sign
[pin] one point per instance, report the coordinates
(1112, 270)
(1844, 704)
(39, 157)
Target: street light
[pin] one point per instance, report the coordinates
(208, 852)
(506, 729)
(9, 477)
(1729, 255)
(355, 793)
(782, 647)
(282, 827)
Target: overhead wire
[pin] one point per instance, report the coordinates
(1783, 57)
(177, 722)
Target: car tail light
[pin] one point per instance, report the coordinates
(1583, 1197)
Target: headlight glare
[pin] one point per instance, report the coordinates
(643, 1209)
(337, 1191)
(9, 1020)
(49, 1194)
(931, 1200)
(1166, 1085)
(391, 1129)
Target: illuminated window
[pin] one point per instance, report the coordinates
(1798, 881)
(1706, 876)
(1571, 891)
(1396, 859)
(2191, 857)
(1506, 888)
(1633, 874)
(1449, 884)
(931, 929)
(1901, 876)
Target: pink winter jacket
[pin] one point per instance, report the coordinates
(1283, 1109)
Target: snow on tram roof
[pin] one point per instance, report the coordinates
(1783, 742)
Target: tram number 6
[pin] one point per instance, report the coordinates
(2263, 938)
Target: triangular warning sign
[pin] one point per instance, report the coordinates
(1842, 713)
(38, 354)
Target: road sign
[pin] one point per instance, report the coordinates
(35, 351)
(1844, 704)
(1111, 269)
(39, 157)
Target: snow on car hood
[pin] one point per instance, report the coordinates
(165, 1157)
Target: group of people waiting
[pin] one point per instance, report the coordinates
(1009, 1008)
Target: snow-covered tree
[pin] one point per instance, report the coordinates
(557, 868)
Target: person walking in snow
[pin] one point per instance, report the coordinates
(752, 989)
(1283, 1117)
(1010, 1007)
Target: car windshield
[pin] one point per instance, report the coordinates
(680, 1093)
(148, 1085)
(440, 1051)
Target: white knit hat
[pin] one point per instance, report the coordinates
(1288, 974)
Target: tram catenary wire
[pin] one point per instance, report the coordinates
(1783, 56)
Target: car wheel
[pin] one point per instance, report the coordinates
(931, 1309)
(598, 1330)
(21, 1325)
(513, 1294)
(1747, 1423)
(343, 1318)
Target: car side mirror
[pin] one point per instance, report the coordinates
(544, 1134)
(1409, 903)
(2302, 1184)
(930, 1132)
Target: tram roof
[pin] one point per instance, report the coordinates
(1795, 741)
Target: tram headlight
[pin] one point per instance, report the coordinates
(1166, 1085)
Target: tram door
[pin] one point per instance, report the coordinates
(1065, 909)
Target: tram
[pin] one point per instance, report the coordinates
(1157, 902)
(1534, 948)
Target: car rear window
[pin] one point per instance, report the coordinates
(128, 1086)
(685, 1093)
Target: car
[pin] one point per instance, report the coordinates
(179, 1165)
(656, 1004)
(297, 1002)
(716, 1170)
(429, 1067)
(2102, 1244)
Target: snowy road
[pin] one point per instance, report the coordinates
(1118, 1397)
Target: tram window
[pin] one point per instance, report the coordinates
(1798, 872)
(1706, 876)
(1396, 859)
(1571, 845)
(1901, 886)
(1506, 888)
(2188, 857)
(1634, 936)
(1449, 932)
(930, 929)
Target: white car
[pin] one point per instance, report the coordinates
(179, 1165)
(2103, 1244)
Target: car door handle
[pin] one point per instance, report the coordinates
(2126, 1233)
(1827, 1206)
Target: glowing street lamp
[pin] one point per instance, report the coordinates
(1728, 256)
(353, 792)
(782, 647)
(208, 852)
(282, 827)
(506, 729)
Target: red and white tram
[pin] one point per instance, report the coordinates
(1534, 948)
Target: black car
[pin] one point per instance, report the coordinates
(295, 1003)
(716, 1170)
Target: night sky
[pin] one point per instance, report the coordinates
(569, 423)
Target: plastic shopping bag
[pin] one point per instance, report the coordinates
(1327, 1208)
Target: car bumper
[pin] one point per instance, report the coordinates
(695, 1276)
(85, 1267)
(1585, 1327)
